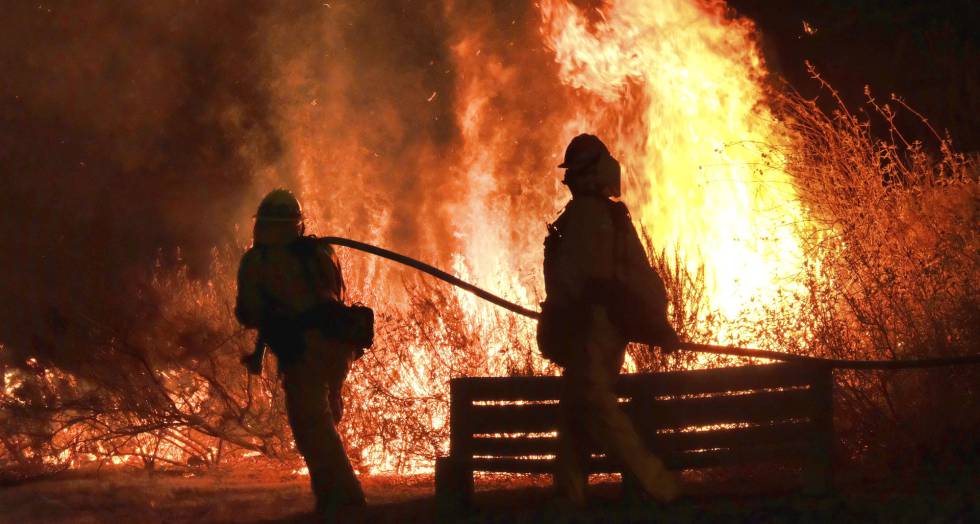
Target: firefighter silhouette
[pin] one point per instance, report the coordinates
(601, 293)
(282, 277)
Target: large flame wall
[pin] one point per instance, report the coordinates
(433, 130)
(145, 133)
(675, 88)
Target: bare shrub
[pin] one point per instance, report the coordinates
(166, 390)
(892, 244)
(169, 391)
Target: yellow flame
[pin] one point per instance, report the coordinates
(675, 87)
(693, 172)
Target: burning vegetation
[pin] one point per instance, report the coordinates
(774, 223)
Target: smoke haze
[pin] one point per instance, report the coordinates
(138, 136)
(128, 129)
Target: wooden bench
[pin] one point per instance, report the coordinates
(691, 419)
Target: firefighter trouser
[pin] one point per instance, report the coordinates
(592, 419)
(313, 384)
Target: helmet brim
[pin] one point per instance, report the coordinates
(577, 165)
(276, 219)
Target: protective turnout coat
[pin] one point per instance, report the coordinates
(600, 287)
(594, 257)
(278, 279)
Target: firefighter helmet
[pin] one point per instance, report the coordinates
(591, 168)
(280, 205)
(583, 151)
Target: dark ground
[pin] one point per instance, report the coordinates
(162, 498)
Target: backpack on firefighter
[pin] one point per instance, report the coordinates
(335, 320)
(639, 315)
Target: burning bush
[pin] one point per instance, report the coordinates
(891, 243)
(892, 267)
(166, 390)
(177, 396)
(884, 237)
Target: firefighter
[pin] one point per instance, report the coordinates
(281, 278)
(601, 293)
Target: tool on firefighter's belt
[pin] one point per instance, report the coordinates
(283, 330)
(687, 346)
(254, 360)
(353, 324)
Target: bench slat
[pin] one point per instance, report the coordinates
(724, 457)
(674, 461)
(765, 407)
(788, 409)
(653, 414)
(770, 434)
(781, 433)
(744, 378)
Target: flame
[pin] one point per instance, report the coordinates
(678, 89)
(675, 88)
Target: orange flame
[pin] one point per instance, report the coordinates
(676, 88)
(693, 168)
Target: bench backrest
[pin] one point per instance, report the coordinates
(692, 419)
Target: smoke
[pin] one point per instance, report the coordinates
(429, 128)
(127, 130)
(366, 97)
(137, 137)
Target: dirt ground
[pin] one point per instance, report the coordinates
(119, 498)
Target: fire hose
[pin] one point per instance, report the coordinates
(688, 346)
